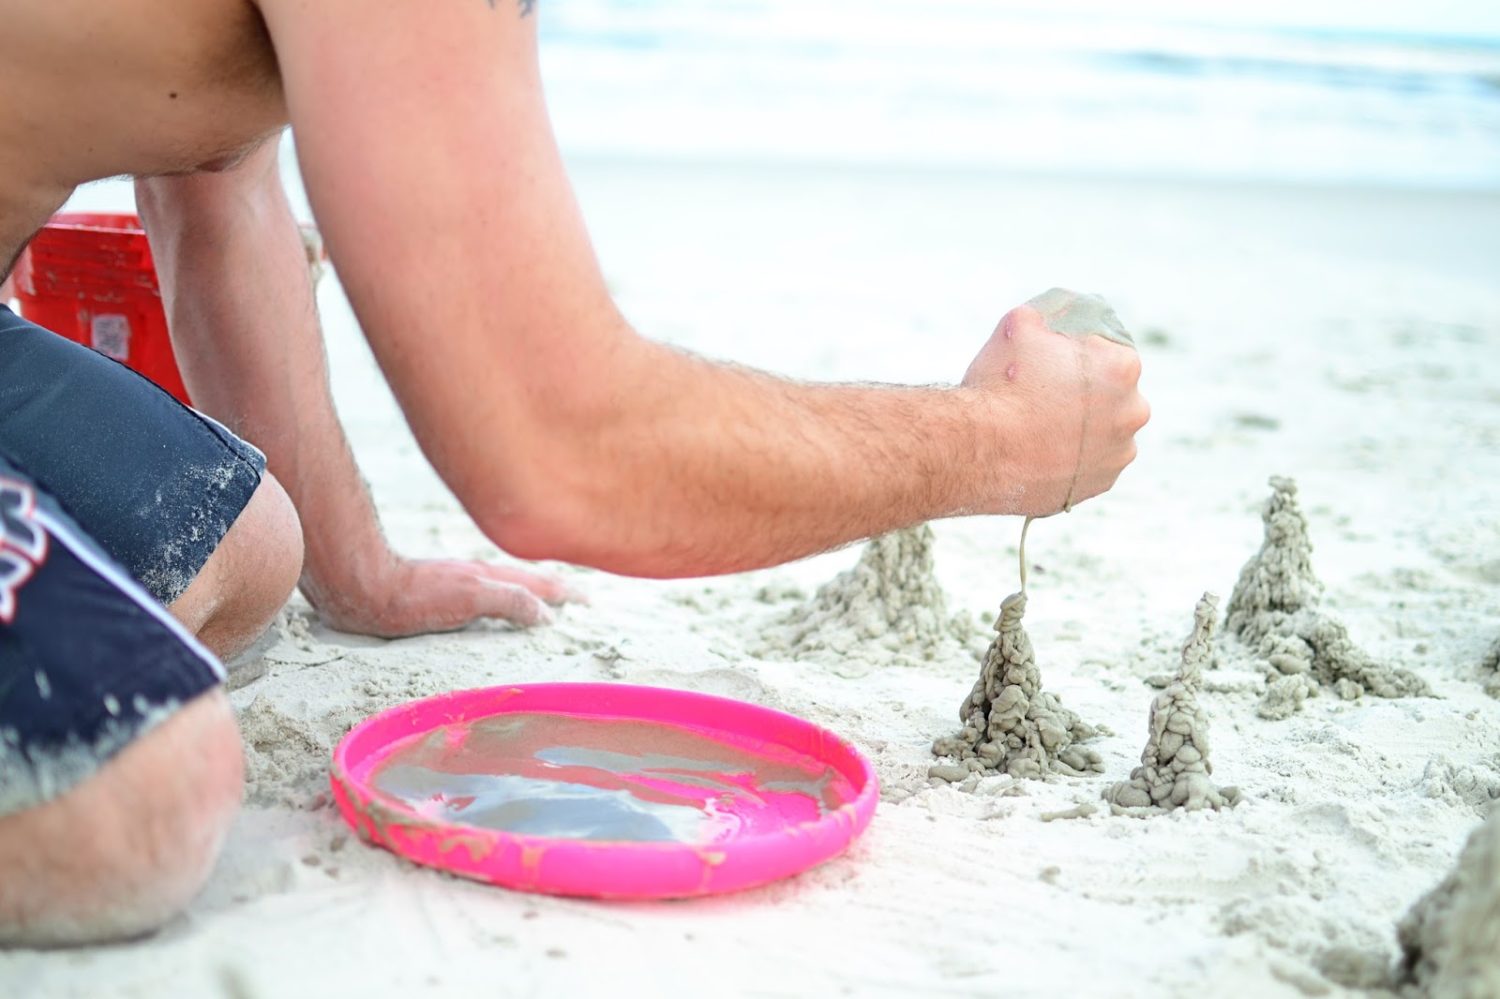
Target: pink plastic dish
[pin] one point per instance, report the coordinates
(801, 798)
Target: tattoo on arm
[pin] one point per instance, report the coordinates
(526, 5)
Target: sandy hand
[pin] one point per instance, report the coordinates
(1068, 372)
(426, 595)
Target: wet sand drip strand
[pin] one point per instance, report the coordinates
(1009, 723)
(1274, 611)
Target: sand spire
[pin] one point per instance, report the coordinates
(1009, 723)
(1175, 765)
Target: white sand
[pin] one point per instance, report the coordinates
(1348, 339)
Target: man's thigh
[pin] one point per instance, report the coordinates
(119, 759)
(89, 661)
(152, 482)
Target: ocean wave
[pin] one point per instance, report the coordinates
(957, 84)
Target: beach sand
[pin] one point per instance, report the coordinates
(1345, 338)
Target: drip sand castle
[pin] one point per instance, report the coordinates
(1450, 940)
(1274, 611)
(1009, 723)
(1175, 765)
(888, 608)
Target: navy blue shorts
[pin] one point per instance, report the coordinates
(112, 497)
(88, 659)
(155, 483)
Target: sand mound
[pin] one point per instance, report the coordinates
(286, 756)
(1490, 668)
(1274, 610)
(887, 609)
(1475, 786)
(1451, 938)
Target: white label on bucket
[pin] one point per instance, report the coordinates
(111, 335)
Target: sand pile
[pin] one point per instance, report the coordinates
(286, 755)
(1450, 940)
(1490, 668)
(1175, 765)
(1009, 723)
(1475, 786)
(1274, 610)
(887, 609)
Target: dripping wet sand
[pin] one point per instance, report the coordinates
(587, 778)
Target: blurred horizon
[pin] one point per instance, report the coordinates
(1330, 92)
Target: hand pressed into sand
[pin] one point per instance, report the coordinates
(1062, 365)
(417, 596)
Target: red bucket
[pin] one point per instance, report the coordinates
(88, 276)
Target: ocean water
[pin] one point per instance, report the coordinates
(1321, 92)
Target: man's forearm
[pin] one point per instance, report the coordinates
(671, 466)
(245, 332)
(680, 466)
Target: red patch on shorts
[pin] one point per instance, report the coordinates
(23, 543)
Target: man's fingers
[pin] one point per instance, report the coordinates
(549, 588)
(509, 601)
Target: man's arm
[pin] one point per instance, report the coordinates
(437, 183)
(244, 327)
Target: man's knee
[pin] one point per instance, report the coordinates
(238, 592)
(124, 851)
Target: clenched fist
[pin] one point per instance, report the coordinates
(1066, 372)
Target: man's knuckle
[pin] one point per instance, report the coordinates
(1143, 414)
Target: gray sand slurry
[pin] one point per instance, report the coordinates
(1079, 315)
(887, 610)
(1274, 611)
(1175, 765)
(1450, 939)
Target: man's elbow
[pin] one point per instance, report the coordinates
(561, 481)
(542, 513)
(535, 535)
(588, 524)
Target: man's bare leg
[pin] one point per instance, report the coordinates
(248, 578)
(128, 848)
